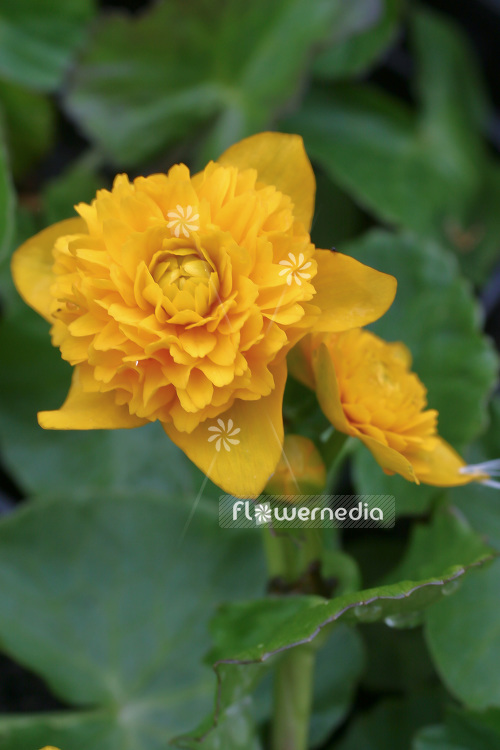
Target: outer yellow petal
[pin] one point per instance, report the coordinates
(350, 294)
(244, 469)
(327, 391)
(441, 467)
(88, 411)
(280, 160)
(32, 264)
(390, 460)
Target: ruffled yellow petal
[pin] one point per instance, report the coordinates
(389, 459)
(32, 264)
(239, 450)
(441, 467)
(349, 294)
(280, 160)
(327, 391)
(88, 411)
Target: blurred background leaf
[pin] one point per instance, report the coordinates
(240, 63)
(6, 200)
(374, 24)
(30, 121)
(424, 170)
(38, 39)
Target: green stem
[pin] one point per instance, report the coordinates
(335, 450)
(293, 690)
(289, 556)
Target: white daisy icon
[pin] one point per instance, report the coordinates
(295, 269)
(263, 513)
(183, 220)
(224, 436)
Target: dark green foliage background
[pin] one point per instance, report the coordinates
(117, 587)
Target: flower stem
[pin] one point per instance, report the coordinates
(289, 556)
(293, 690)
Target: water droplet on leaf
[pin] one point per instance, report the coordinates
(404, 620)
(451, 587)
(368, 612)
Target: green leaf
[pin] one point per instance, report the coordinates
(356, 54)
(96, 600)
(336, 216)
(454, 108)
(38, 39)
(79, 183)
(240, 62)
(426, 170)
(447, 540)
(463, 730)
(369, 143)
(398, 660)
(390, 724)
(436, 316)
(6, 201)
(464, 640)
(29, 123)
(478, 503)
(249, 634)
(47, 462)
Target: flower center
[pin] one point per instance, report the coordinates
(180, 266)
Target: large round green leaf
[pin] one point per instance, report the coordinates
(464, 640)
(107, 600)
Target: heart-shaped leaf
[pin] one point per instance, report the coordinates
(107, 600)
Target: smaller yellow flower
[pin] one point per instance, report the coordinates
(366, 389)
